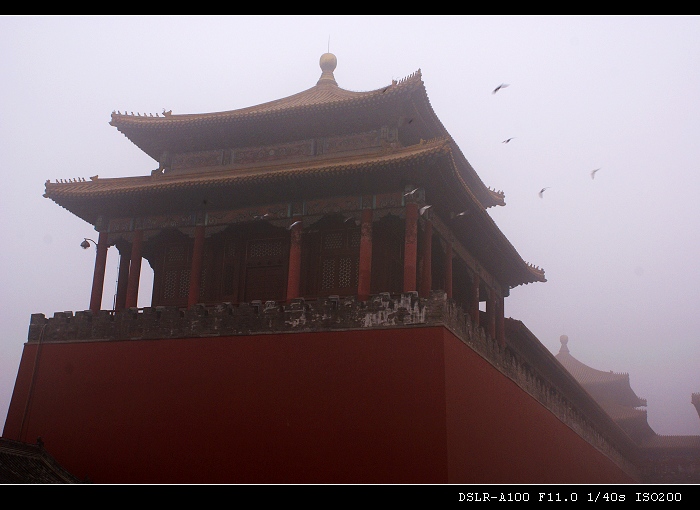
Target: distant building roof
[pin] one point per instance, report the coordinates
(612, 391)
(23, 463)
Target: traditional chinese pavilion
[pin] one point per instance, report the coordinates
(321, 193)
(327, 306)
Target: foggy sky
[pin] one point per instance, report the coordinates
(619, 93)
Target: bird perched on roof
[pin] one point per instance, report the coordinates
(501, 86)
(593, 173)
(507, 140)
(542, 191)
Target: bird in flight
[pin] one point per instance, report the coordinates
(463, 213)
(422, 210)
(507, 140)
(409, 193)
(542, 191)
(593, 173)
(501, 86)
(290, 227)
(260, 216)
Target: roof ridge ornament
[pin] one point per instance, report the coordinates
(328, 63)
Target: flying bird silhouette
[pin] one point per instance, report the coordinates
(290, 227)
(507, 140)
(463, 213)
(422, 210)
(593, 173)
(412, 192)
(542, 191)
(501, 86)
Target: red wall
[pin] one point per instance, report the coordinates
(374, 406)
(496, 433)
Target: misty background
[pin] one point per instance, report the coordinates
(619, 93)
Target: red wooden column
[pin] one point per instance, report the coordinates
(123, 278)
(132, 288)
(491, 313)
(474, 301)
(98, 276)
(448, 270)
(500, 321)
(365, 270)
(426, 280)
(410, 253)
(196, 269)
(294, 273)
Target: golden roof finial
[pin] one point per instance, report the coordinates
(328, 63)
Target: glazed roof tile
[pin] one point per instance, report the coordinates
(321, 96)
(312, 110)
(672, 442)
(23, 463)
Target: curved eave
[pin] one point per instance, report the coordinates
(152, 133)
(611, 386)
(320, 96)
(147, 185)
(516, 270)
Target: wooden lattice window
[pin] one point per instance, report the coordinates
(266, 269)
(339, 262)
(176, 274)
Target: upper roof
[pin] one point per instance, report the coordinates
(321, 111)
(614, 387)
(409, 145)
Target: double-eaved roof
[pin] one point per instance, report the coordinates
(333, 141)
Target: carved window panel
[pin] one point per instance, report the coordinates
(266, 269)
(172, 274)
(339, 262)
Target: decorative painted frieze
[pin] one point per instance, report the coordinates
(197, 159)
